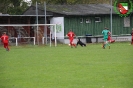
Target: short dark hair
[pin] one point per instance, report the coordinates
(4, 32)
(106, 28)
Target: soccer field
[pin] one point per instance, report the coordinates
(65, 67)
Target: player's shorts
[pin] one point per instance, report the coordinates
(5, 45)
(105, 39)
(71, 41)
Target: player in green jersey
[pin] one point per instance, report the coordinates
(105, 33)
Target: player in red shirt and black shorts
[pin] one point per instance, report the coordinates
(132, 37)
(5, 39)
(71, 36)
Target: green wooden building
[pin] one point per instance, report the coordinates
(87, 18)
(82, 27)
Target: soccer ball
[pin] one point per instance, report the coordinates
(69, 44)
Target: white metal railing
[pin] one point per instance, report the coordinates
(16, 39)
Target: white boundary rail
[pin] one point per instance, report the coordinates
(16, 39)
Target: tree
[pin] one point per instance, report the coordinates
(4, 5)
(12, 6)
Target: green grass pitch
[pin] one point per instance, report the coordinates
(65, 67)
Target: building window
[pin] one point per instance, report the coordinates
(88, 21)
(126, 21)
(81, 20)
(97, 19)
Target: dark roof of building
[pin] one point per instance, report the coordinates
(87, 9)
(81, 9)
(32, 11)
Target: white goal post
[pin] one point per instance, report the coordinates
(17, 26)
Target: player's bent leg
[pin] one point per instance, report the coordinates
(7, 47)
(104, 44)
(74, 45)
(4, 45)
(108, 44)
(71, 44)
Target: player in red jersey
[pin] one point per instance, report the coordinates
(71, 36)
(132, 37)
(109, 38)
(5, 39)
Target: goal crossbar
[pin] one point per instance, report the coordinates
(27, 24)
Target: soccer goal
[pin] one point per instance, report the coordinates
(34, 34)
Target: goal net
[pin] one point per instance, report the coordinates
(32, 34)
